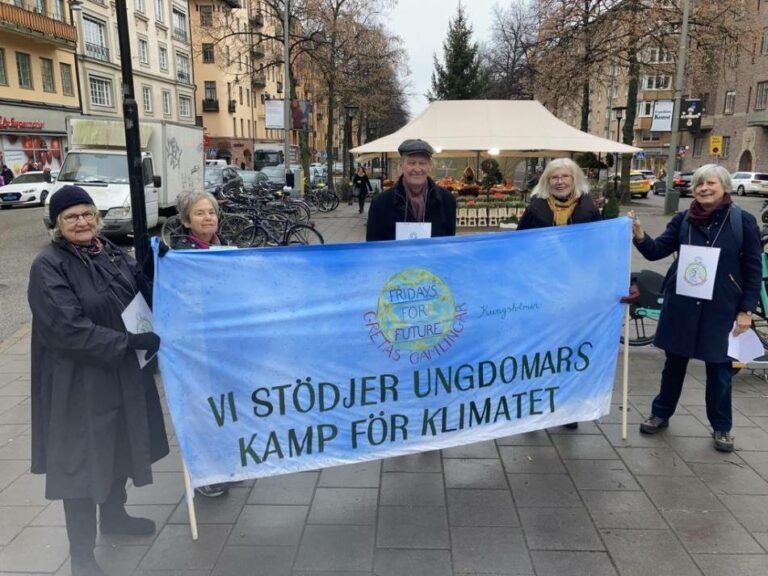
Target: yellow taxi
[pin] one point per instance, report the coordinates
(639, 185)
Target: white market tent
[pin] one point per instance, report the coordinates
(506, 128)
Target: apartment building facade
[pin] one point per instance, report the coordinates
(38, 86)
(161, 56)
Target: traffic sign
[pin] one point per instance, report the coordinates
(715, 145)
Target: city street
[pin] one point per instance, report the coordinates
(550, 503)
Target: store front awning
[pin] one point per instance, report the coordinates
(459, 128)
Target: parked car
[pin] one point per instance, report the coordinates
(682, 183)
(252, 178)
(222, 181)
(29, 188)
(649, 175)
(748, 182)
(638, 184)
(274, 174)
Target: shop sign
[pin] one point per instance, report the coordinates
(8, 122)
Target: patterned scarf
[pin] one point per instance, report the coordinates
(92, 249)
(418, 203)
(562, 210)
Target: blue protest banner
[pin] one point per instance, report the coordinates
(278, 360)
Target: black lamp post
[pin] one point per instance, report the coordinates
(133, 142)
(619, 112)
(350, 111)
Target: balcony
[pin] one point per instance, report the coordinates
(232, 106)
(258, 52)
(758, 118)
(183, 76)
(210, 105)
(97, 51)
(257, 20)
(26, 21)
(258, 80)
(180, 34)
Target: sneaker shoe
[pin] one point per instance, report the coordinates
(212, 490)
(653, 424)
(723, 441)
(571, 426)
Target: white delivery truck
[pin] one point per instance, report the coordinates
(171, 160)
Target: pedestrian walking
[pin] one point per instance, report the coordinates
(96, 415)
(361, 186)
(560, 197)
(7, 174)
(414, 198)
(709, 292)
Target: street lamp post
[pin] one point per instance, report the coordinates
(349, 167)
(133, 142)
(289, 178)
(619, 112)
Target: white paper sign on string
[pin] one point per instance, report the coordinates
(413, 230)
(696, 271)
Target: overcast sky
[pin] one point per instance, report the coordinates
(423, 26)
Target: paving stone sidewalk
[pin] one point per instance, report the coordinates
(549, 503)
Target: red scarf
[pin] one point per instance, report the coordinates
(202, 243)
(700, 216)
(418, 202)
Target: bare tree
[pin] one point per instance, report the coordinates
(507, 54)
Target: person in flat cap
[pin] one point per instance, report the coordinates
(414, 198)
(96, 414)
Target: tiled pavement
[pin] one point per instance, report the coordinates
(549, 503)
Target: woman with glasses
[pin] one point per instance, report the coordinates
(96, 414)
(560, 198)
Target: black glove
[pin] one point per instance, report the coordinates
(148, 341)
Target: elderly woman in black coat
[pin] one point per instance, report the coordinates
(96, 415)
(698, 327)
(561, 197)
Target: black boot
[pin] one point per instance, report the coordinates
(114, 518)
(80, 515)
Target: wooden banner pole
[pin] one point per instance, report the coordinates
(190, 496)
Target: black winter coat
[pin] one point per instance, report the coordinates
(362, 183)
(697, 328)
(96, 415)
(391, 207)
(539, 215)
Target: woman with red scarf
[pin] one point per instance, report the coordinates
(693, 323)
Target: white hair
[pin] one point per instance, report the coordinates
(580, 184)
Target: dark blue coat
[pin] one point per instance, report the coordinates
(699, 328)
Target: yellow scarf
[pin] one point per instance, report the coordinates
(562, 210)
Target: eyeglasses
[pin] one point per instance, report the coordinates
(72, 218)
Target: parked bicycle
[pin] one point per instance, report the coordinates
(237, 230)
(645, 302)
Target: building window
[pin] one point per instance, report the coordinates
(66, 79)
(139, 5)
(730, 102)
(95, 39)
(143, 51)
(206, 16)
(182, 69)
(764, 47)
(761, 96)
(658, 82)
(3, 75)
(645, 108)
(40, 7)
(228, 60)
(704, 98)
(210, 91)
(58, 10)
(208, 54)
(100, 90)
(24, 67)
(234, 127)
(179, 25)
(146, 96)
(162, 53)
(698, 147)
(185, 106)
(726, 146)
(46, 69)
(241, 96)
(166, 103)
(160, 10)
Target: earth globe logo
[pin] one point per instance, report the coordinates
(695, 273)
(416, 309)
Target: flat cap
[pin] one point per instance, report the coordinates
(415, 146)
